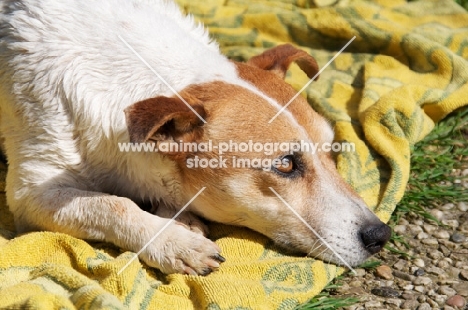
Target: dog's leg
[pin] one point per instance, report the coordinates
(98, 216)
(187, 219)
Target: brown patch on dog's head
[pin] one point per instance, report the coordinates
(279, 58)
(273, 85)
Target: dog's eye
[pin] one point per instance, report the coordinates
(287, 165)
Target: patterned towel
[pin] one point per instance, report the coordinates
(406, 70)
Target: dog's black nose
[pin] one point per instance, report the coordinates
(374, 237)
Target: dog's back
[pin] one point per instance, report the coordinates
(65, 76)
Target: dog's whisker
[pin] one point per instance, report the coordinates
(316, 242)
(313, 248)
(317, 245)
(327, 257)
(323, 255)
(320, 253)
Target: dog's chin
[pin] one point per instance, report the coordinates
(344, 262)
(347, 258)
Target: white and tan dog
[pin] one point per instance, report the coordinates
(71, 90)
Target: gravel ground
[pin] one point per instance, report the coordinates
(436, 274)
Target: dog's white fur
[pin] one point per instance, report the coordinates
(65, 81)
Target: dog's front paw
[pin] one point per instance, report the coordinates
(178, 250)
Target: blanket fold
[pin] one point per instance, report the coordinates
(406, 70)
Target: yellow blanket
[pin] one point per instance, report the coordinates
(406, 70)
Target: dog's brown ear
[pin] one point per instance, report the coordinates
(279, 58)
(162, 118)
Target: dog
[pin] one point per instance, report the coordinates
(79, 78)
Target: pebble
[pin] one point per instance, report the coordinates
(343, 288)
(422, 298)
(447, 290)
(399, 229)
(452, 223)
(403, 275)
(448, 260)
(464, 275)
(449, 244)
(403, 221)
(435, 270)
(357, 291)
(407, 296)
(429, 228)
(443, 264)
(437, 214)
(444, 249)
(410, 304)
(360, 272)
(408, 287)
(384, 272)
(456, 301)
(462, 206)
(447, 206)
(458, 238)
(435, 255)
(373, 304)
(419, 288)
(394, 302)
(443, 277)
(400, 264)
(418, 222)
(440, 299)
(431, 293)
(419, 272)
(454, 272)
(415, 229)
(419, 262)
(441, 234)
(430, 241)
(447, 282)
(385, 291)
(414, 244)
(422, 281)
(425, 306)
(460, 255)
(356, 283)
(464, 172)
(432, 303)
(422, 235)
(461, 288)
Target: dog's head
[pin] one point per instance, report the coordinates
(253, 159)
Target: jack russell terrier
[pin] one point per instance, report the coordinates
(78, 78)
